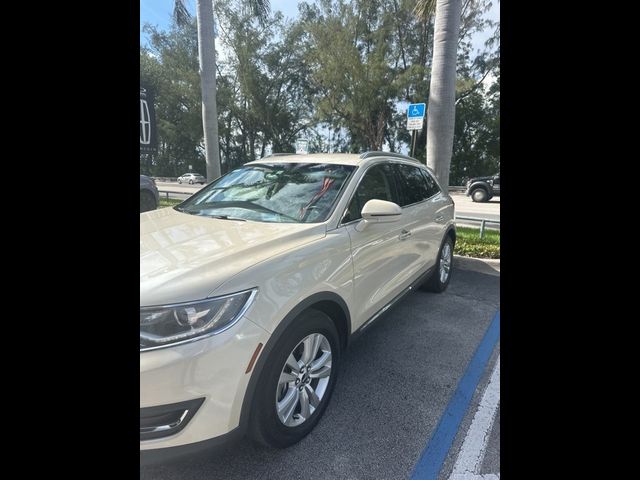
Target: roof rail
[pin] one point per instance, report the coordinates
(372, 154)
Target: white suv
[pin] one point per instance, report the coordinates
(252, 288)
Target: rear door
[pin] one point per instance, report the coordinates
(420, 209)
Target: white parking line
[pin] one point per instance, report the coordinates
(469, 461)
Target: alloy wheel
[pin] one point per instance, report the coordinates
(445, 262)
(303, 380)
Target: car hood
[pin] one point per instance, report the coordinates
(186, 257)
(481, 179)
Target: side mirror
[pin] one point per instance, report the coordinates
(378, 211)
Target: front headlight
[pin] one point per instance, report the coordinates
(170, 324)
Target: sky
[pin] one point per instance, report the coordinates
(158, 12)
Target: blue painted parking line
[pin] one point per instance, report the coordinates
(436, 450)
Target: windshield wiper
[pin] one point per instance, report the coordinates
(221, 217)
(226, 217)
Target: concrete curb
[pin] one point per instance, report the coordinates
(489, 266)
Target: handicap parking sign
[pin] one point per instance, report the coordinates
(416, 110)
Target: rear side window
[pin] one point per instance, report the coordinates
(414, 185)
(377, 183)
(432, 186)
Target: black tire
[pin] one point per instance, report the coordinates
(479, 195)
(147, 201)
(190, 182)
(265, 426)
(435, 283)
(180, 182)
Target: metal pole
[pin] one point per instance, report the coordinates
(413, 141)
(482, 228)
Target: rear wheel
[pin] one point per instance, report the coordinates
(479, 195)
(147, 202)
(190, 182)
(297, 382)
(441, 275)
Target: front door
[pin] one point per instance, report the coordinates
(381, 258)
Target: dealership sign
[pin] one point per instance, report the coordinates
(148, 138)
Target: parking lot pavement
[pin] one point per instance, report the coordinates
(394, 384)
(475, 453)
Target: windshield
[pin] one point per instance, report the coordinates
(280, 192)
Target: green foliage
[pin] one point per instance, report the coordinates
(364, 57)
(169, 69)
(168, 202)
(476, 142)
(477, 250)
(262, 93)
(469, 243)
(334, 75)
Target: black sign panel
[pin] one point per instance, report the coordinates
(148, 137)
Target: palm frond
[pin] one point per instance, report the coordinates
(424, 9)
(260, 9)
(181, 15)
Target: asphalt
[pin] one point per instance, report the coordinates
(394, 383)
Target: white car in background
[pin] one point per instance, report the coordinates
(192, 178)
(252, 288)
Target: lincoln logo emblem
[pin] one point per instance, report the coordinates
(145, 123)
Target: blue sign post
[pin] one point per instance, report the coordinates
(415, 117)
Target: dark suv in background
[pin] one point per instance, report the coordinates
(149, 196)
(483, 189)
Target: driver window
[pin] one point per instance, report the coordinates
(377, 183)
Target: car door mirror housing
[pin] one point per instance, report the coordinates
(379, 211)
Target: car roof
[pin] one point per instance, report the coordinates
(354, 159)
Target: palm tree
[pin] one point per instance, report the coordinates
(442, 90)
(207, 58)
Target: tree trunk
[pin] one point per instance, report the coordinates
(207, 57)
(442, 91)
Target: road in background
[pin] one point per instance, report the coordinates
(465, 207)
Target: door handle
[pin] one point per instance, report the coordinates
(439, 218)
(404, 234)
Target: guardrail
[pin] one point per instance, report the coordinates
(483, 222)
(174, 193)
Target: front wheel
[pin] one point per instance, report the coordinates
(297, 381)
(479, 195)
(180, 182)
(190, 182)
(441, 275)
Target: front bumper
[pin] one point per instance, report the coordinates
(206, 379)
